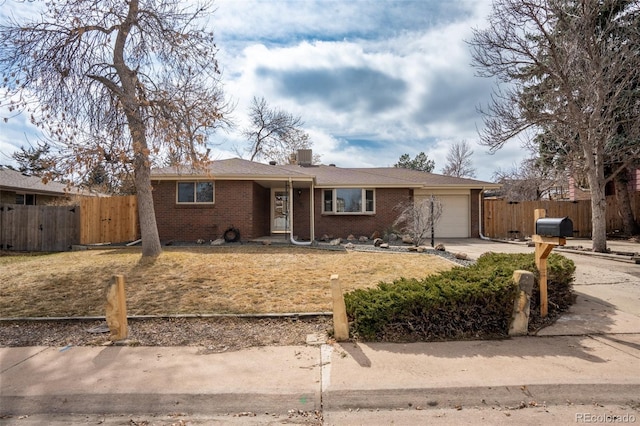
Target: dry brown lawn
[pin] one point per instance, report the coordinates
(198, 280)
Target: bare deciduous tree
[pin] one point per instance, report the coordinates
(418, 218)
(459, 161)
(571, 70)
(116, 83)
(274, 134)
(530, 181)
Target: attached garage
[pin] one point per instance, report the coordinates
(456, 213)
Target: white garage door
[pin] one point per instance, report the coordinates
(455, 219)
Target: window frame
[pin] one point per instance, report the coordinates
(334, 201)
(25, 197)
(195, 192)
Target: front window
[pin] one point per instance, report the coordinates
(195, 192)
(348, 201)
(26, 199)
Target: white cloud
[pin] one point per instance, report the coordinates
(372, 79)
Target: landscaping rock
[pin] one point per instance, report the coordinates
(377, 242)
(375, 235)
(363, 239)
(392, 237)
(218, 242)
(384, 245)
(325, 238)
(414, 248)
(461, 256)
(335, 242)
(421, 249)
(349, 246)
(351, 237)
(440, 247)
(406, 239)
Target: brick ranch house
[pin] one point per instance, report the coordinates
(266, 199)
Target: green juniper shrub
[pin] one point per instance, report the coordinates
(471, 302)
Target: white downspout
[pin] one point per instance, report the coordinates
(481, 217)
(293, 241)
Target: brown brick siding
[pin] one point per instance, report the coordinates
(237, 203)
(247, 206)
(261, 211)
(474, 200)
(301, 212)
(358, 225)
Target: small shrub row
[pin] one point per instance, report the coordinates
(471, 302)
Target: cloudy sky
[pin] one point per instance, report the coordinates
(371, 79)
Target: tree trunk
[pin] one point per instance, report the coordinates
(598, 219)
(595, 175)
(594, 168)
(623, 200)
(151, 247)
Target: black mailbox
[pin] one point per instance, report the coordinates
(554, 227)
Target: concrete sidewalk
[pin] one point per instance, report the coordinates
(135, 380)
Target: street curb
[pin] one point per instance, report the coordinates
(511, 397)
(145, 403)
(468, 397)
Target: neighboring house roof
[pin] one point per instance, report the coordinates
(12, 180)
(324, 176)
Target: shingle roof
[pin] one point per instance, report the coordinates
(325, 176)
(233, 167)
(337, 176)
(426, 179)
(16, 181)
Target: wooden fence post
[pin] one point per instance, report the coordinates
(340, 322)
(116, 309)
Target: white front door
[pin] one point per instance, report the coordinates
(279, 211)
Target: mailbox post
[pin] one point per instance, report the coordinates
(550, 232)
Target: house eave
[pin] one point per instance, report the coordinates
(367, 186)
(233, 177)
(460, 186)
(23, 190)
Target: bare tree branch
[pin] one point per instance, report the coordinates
(274, 134)
(117, 84)
(569, 70)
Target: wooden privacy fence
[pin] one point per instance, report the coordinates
(108, 219)
(38, 228)
(505, 219)
(56, 228)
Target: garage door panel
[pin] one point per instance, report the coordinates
(454, 221)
